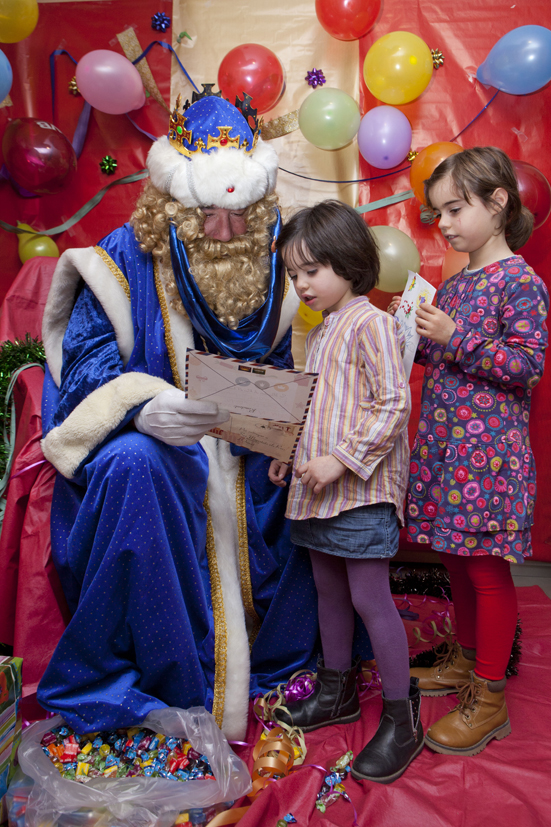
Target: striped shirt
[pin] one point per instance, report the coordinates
(359, 412)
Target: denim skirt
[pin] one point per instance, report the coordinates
(368, 531)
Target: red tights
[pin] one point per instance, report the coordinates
(485, 603)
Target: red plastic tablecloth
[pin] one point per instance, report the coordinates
(506, 784)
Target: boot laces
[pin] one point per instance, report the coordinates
(468, 696)
(444, 657)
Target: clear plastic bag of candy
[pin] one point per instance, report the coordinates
(55, 801)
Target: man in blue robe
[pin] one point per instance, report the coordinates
(172, 546)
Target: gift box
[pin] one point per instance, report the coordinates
(10, 723)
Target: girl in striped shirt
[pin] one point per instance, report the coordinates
(349, 480)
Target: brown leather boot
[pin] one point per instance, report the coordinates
(479, 716)
(448, 672)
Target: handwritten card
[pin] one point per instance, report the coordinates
(417, 291)
(267, 405)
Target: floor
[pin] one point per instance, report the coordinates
(506, 784)
(533, 573)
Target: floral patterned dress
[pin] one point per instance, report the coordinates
(473, 479)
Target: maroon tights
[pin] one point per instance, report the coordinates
(485, 603)
(344, 584)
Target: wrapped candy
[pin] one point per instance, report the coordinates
(123, 753)
(333, 787)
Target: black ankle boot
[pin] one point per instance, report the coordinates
(334, 701)
(397, 741)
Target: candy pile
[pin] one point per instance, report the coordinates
(123, 753)
(333, 787)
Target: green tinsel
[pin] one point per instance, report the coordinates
(14, 355)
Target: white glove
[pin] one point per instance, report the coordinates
(177, 420)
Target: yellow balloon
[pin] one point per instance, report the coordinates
(397, 254)
(311, 317)
(18, 19)
(398, 68)
(23, 237)
(31, 245)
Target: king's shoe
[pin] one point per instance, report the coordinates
(398, 740)
(334, 701)
(479, 716)
(449, 671)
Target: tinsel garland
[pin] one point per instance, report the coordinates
(435, 582)
(13, 355)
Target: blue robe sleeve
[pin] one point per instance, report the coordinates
(90, 355)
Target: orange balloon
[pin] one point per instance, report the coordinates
(426, 162)
(454, 261)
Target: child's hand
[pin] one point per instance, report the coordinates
(277, 471)
(320, 471)
(434, 324)
(394, 305)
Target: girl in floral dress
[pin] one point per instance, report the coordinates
(472, 483)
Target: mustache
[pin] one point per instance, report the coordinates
(212, 249)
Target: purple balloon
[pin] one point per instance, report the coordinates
(384, 137)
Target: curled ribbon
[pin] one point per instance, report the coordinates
(273, 758)
(437, 624)
(300, 686)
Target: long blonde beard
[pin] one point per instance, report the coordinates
(232, 276)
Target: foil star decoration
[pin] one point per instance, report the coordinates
(437, 58)
(160, 21)
(73, 88)
(108, 165)
(412, 154)
(315, 78)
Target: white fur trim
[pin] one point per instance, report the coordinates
(204, 180)
(222, 485)
(72, 266)
(91, 422)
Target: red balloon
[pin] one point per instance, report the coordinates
(38, 156)
(535, 192)
(347, 19)
(255, 70)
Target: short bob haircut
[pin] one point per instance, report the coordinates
(480, 171)
(332, 234)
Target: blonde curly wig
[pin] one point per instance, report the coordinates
(232, 276)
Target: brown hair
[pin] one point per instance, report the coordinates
(480, 171)
(334, 234)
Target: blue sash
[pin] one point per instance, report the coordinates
(256, 333)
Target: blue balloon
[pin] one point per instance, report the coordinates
(6, 76)
(520, 62)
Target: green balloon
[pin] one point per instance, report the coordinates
(397, 254)
(329, 118)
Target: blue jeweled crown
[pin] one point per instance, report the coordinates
(211, 122)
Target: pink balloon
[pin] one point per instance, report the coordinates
(38, 156)
(109, 82)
